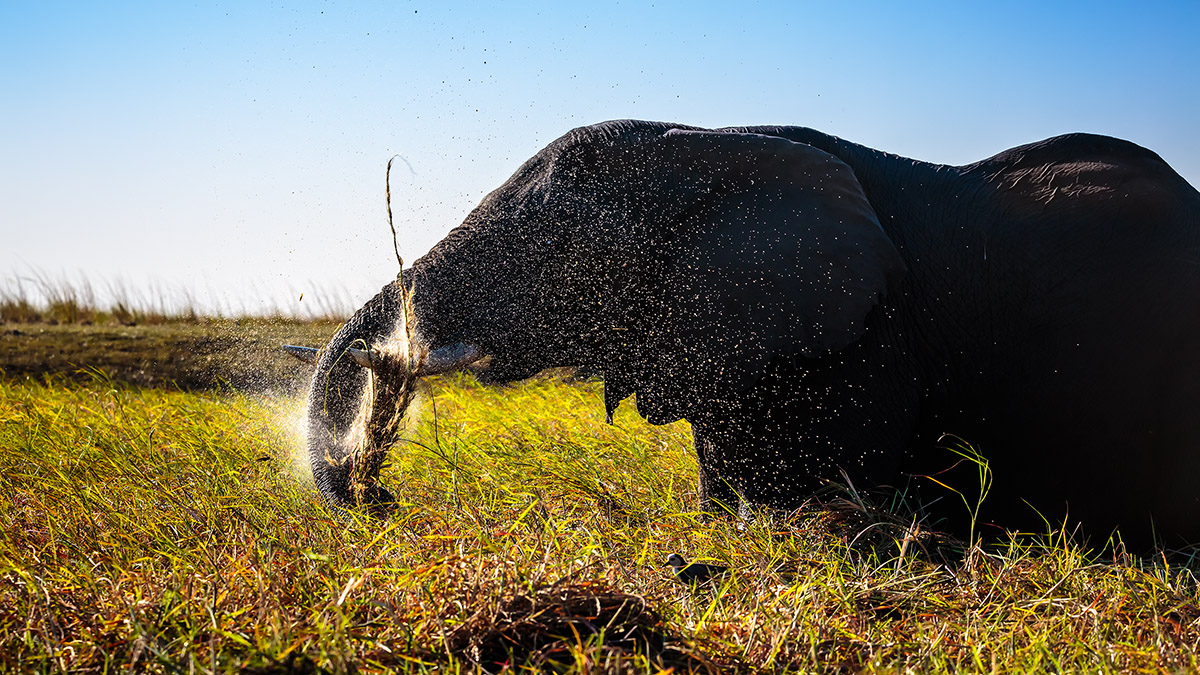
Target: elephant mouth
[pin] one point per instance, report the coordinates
(504, 369)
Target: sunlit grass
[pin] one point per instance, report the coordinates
(172, 532)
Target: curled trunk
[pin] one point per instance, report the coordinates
(336, 394)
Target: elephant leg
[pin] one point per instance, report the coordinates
(718, 494)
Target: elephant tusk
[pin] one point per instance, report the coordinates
(306, 354)
(444, 360)
(450, 358)
(361, 356)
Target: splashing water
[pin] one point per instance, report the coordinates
(290, 421)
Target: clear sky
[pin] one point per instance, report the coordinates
(237, 149)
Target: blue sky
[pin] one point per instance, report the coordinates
(237, 149)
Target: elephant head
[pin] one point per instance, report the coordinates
(674, 261)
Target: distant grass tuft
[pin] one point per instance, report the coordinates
(157, 530)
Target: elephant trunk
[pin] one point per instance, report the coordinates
(335, 395)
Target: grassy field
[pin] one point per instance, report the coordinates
(239, 354)
(154, 337)
(159, 530)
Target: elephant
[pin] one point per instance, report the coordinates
(822, 312)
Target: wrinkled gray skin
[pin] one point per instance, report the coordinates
(813, 306)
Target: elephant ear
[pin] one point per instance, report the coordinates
(765, 248)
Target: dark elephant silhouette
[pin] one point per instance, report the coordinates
(821, 311)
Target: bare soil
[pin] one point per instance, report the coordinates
(217, 354)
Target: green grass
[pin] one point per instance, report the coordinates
(176, 532)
